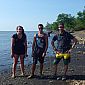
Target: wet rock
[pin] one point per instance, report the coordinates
(77, 58)
(77, 82)
(79, 52)
(51, 81)
(83, 53)
(10, 84)
(25, 82)
(5, 71)
(47, 52)
(2, 65)
(29, 42)
(72, 70)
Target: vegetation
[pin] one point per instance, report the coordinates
(71, 23)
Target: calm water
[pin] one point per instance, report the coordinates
(5, 45)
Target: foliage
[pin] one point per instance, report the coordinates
(71, 23)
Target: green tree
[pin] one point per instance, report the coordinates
(54, 26)
(70, 22)
(48, 26)
(80, 21)
(67, 19)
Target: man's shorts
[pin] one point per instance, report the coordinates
(38, 57)
(65, 56)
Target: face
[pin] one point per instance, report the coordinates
(40, 28)
(19, 30)
(60, 28)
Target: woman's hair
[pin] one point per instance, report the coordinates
(21, 28)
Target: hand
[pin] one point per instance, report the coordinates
(54, 49)
(58, 52)
(12, 55)
(69, 51)
(32, 53)
(44, 54)
(26, 55)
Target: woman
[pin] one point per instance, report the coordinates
(18, 49)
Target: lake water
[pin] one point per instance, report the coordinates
(5, 47)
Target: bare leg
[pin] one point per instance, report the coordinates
(65, 69)
(41, 68)
(33, 68)
(22, 64)
(15, 59)
(55, 70)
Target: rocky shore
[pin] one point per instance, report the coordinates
(76, 70)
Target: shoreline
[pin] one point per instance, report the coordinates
(76, 72)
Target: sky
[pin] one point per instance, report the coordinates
(29, 13)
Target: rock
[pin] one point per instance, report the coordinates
(77, 58)
(10, 84)
(51, 81)
(71, 70)
(79, 52)
(83, 53)
(29, 42)
(25, 82)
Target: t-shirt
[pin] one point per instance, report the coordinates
(19, 43)
(63, 41)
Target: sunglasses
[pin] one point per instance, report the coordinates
(40, 28)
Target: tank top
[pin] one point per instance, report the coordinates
(40, 43)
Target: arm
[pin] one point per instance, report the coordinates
(25, 47)
(74, 42)
(33, 45)
(12, 46)
(46, 40)
(52, 43)
(73, 45)
(46, 47)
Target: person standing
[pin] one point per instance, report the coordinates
(18, 49)
(63, 48)
(39, 48)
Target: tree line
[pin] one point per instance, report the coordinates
(71, 23)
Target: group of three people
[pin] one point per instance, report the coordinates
(39, 48)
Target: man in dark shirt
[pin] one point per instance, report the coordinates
(63, 48)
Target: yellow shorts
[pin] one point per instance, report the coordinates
(63, 55)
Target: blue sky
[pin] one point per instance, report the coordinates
(29, 13)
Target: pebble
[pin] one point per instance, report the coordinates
(79, 52)
(71, 70)
(51, 81)
(77, 58)
(84, 53)
(25, 82)
(10, 84)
